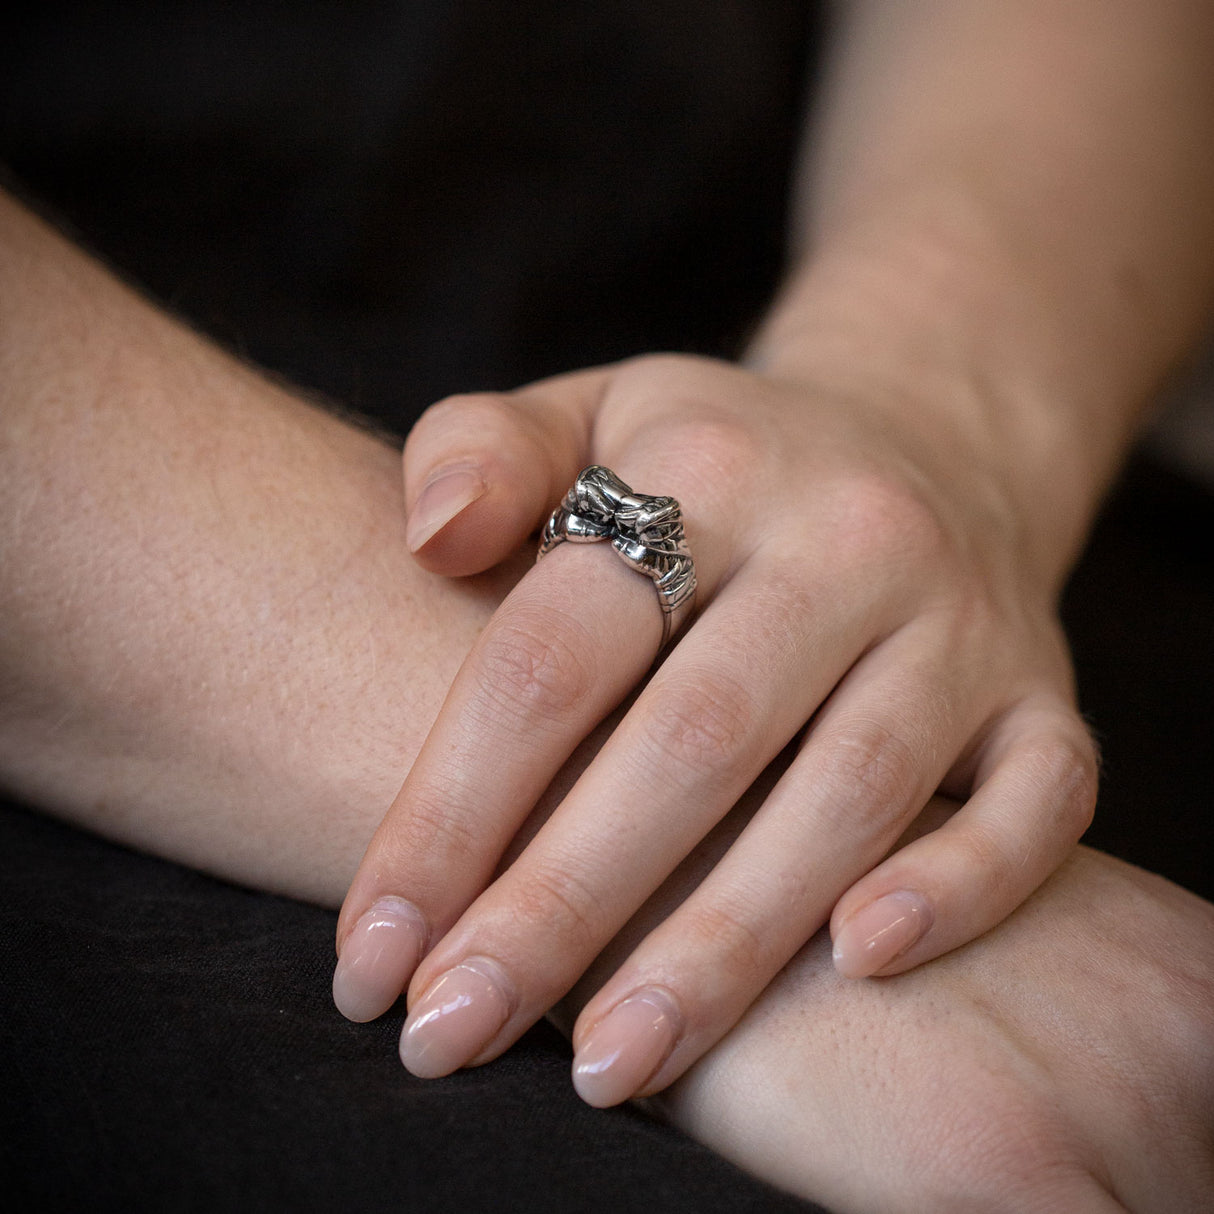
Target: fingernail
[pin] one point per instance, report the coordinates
(443, 496)
(457, 1017)
(883, 930)
(625, 1049)
(378, 958)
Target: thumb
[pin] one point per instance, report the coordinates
(483, 470)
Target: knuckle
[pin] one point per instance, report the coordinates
(721, 446)
(538, 665)
(987, 852)
(702, 723)
(432, 827)
(668, 382)
(783, 617)
(874, 770)
(991, 858)
(725, 932)
(1066, 771)
(554, 899)
(887, 518)
(724, 454)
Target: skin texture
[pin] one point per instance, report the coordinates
(1026, 1072)
(1004, 246)
(238, 687)
(176, 533)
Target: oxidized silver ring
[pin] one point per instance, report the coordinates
(647, 533)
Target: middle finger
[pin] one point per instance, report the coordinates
(722, 706)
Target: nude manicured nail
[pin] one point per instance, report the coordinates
(457, 1017)
(883, 930)
(378, 958)
(625, 1049)
(443, 496)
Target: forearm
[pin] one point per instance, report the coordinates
(214, 643)
(1006, 221)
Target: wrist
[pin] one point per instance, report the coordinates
(938, 331)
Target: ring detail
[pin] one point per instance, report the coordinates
(647, 533)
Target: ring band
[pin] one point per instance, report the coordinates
(646, 532)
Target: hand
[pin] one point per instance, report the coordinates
(1064, 1061)
(868, 567)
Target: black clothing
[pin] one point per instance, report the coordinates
(394, 201)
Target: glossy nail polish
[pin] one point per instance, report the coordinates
(457, 1017)
(444, 495)
(378, 958)
(879, 932)
(625, 1049)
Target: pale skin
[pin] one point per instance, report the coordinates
(1005, 245)
(216, 648)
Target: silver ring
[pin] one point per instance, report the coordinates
(646, 532)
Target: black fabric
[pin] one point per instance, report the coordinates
(167, 1043)
(394, 201)
(387, 203)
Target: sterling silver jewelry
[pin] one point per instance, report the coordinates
(647, 532)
